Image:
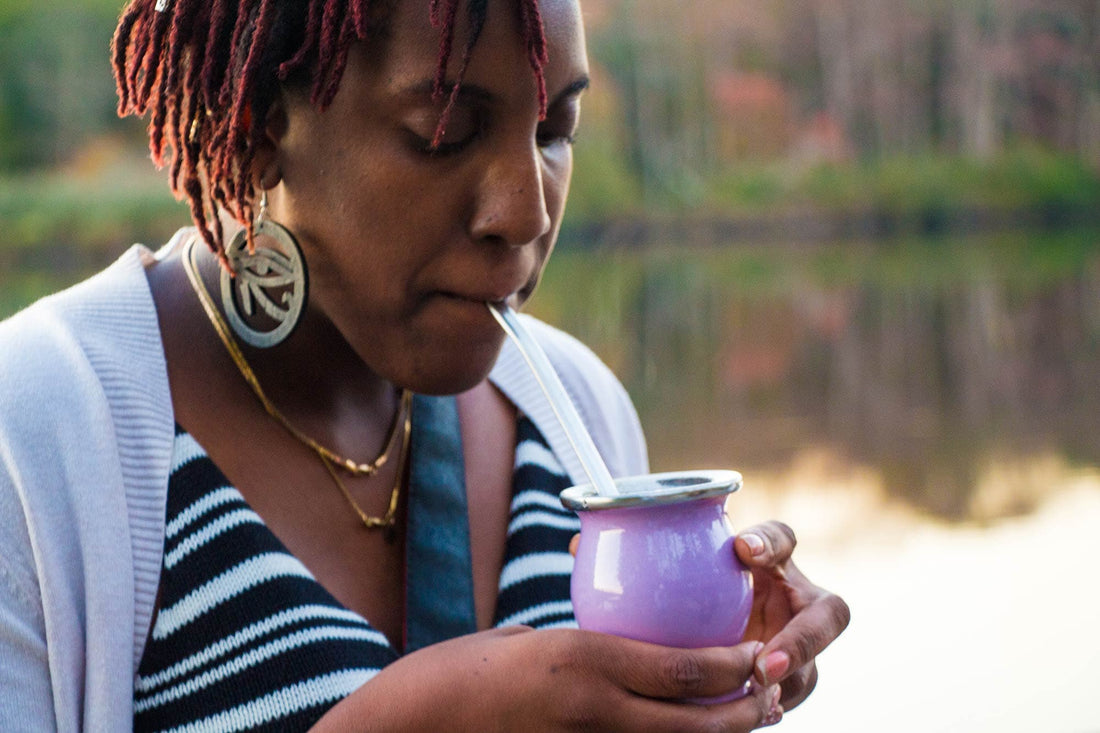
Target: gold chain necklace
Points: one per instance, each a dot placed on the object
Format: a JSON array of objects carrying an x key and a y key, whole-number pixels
[{"x": 329, "y": 459}]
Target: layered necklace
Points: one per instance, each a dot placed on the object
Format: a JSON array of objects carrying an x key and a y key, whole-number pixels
[{"x": 329, "y": 458}]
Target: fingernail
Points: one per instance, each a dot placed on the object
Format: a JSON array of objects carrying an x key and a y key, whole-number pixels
[
  {"x": 756, "y": 545},
  {"x": 775, "y": 711},
  {"x": 772, "y": 667}
]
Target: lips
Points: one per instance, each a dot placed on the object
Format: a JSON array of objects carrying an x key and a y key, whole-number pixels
[
  {"x": 461, "y": 312},
  {"x": 480, "y": 297},
  {"x": 508, "y": 289},
  {"x": 486, "y": 275}
]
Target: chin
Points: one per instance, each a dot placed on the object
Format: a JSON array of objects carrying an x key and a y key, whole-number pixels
[{"x": 448, "y": 375}]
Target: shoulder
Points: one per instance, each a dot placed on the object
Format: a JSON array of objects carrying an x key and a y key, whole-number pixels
[
  {"x": 599, "y": 396},
  {"x": 79, "y": 345},
  {"x": 84, "y": 400},
  {"x": 83, "y": 373},
  {"x": 84, "y": 388}
]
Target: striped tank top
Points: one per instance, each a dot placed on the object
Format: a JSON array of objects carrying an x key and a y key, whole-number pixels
[{"x": 246, "y": 639}]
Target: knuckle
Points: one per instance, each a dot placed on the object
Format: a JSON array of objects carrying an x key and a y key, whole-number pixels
[
  {"x": 838, "y": 609},
  {"x": 809, "y": 682},
  {"x": 682, "y": 672},
  {"x": 806, "y": 646},
  {"x": 787, "y": 533}
]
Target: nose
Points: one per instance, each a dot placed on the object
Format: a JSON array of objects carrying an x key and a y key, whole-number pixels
[{"x": 510, "y": 202}]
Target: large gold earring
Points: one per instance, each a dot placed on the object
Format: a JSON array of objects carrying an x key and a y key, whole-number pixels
[{"x": 273, "y": 278}]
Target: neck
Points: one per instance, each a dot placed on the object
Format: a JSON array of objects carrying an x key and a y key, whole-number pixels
[
  {"x": 316, "y": 367},
  {"x": 317, "y": 380}
]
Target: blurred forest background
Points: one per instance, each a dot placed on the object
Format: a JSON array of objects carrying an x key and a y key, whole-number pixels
[
  {"x": 794, "y": 118},
  {"x": 849, "y": 247},
  {"x": 896, "y": 112}
]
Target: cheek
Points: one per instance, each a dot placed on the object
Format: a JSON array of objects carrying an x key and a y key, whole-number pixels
[
  {"x": 556, "y": 178},
  {"x": 376, "y": 206}
]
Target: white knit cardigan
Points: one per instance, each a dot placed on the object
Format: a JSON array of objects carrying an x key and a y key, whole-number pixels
[{"x": 86, "y": 430}]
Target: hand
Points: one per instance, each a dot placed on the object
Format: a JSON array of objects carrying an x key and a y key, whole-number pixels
[
  {"x": 559, "y": 679},
  {"x": 794, "y": 618}
]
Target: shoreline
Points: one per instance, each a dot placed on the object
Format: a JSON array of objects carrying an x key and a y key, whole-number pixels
[{"x": 808, "y": 226}]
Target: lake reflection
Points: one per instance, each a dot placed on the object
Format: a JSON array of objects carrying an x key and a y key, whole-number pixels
[
  {"x": 956, "y": 628},
  {"x": 945, "y": 365}
]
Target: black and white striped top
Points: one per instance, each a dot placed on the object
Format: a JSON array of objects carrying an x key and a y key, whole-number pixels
[{"x": 246, "y": 639}]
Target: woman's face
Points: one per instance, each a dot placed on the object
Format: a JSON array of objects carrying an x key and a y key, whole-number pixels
[{"x": 405, "y": 245}]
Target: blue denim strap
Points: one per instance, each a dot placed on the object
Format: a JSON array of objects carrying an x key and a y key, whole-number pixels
[{"x": 439, "y": 581}]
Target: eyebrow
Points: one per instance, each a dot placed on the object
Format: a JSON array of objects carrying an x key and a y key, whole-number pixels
[
  {"x": 572, "y": 90},
  {"x": 468, "y": 91}
]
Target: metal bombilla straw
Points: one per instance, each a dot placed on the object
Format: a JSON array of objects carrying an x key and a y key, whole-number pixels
[{"x": 563, "y": 407}]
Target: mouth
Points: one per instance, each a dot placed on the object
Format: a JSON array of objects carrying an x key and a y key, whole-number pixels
[
  {"x": 479, "y": 299},
  {"x": 464, "y": 314},
  {"x": 511, "y": 295}
]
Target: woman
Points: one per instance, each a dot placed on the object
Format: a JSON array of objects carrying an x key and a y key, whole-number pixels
[{"x": 197, "y": 534}]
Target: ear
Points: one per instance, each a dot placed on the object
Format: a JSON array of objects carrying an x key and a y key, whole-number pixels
[{"x": 266, "y": 170}]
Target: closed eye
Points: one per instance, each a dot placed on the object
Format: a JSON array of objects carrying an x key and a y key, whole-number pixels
[
  {"x": 463, "y": 125},
  {"x": 445, "y": 147},
  {"x": 562, "y": 115}
]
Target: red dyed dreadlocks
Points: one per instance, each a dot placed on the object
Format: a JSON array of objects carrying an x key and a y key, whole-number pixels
[{"x": 208, "y": 71}]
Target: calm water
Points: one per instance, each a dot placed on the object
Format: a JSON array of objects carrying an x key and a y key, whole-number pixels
[
  {"x": 936, "y": 363},
  {"x": 926, "y": 414}
]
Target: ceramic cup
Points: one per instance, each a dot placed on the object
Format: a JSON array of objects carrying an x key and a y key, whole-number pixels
[{"x": 656, "y": 563}]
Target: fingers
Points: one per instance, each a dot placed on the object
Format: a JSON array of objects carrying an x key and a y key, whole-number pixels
[
  {"x": 760, "y": 708},
  {"x": 663, "y": 672},
  {"x": 805, "y": 618},
  {"x": 798, "y": 686},
  {"x": 613, "y": 683},
  {"x": 767, "y": 544},
  {"x": 803, "y": 638}
]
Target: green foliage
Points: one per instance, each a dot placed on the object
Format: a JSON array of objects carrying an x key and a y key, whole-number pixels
[
  {"x": 56, "y": 90},
  {"x": 749, "y": 187},
  {"x": 47, "y": 211},
  {"x": 926, "y": 193},
  {"x": 603, "y": 185},
  {"x": 935, "y": 188}
]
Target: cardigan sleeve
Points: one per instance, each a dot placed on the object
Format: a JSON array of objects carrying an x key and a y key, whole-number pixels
[
  {"x": 43, "y": 604},
  {"x": 26, "y": 697},
  {"x": 85, "y": 440}
]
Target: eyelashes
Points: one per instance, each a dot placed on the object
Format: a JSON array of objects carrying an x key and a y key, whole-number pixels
[
  {"x": 547, "y": 140},
  {"x": 467, "y": 127},
  {"x": 449, "y": 147}
]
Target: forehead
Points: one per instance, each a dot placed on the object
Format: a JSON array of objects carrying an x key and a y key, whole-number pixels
[{"x": 411, "y": 43}]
